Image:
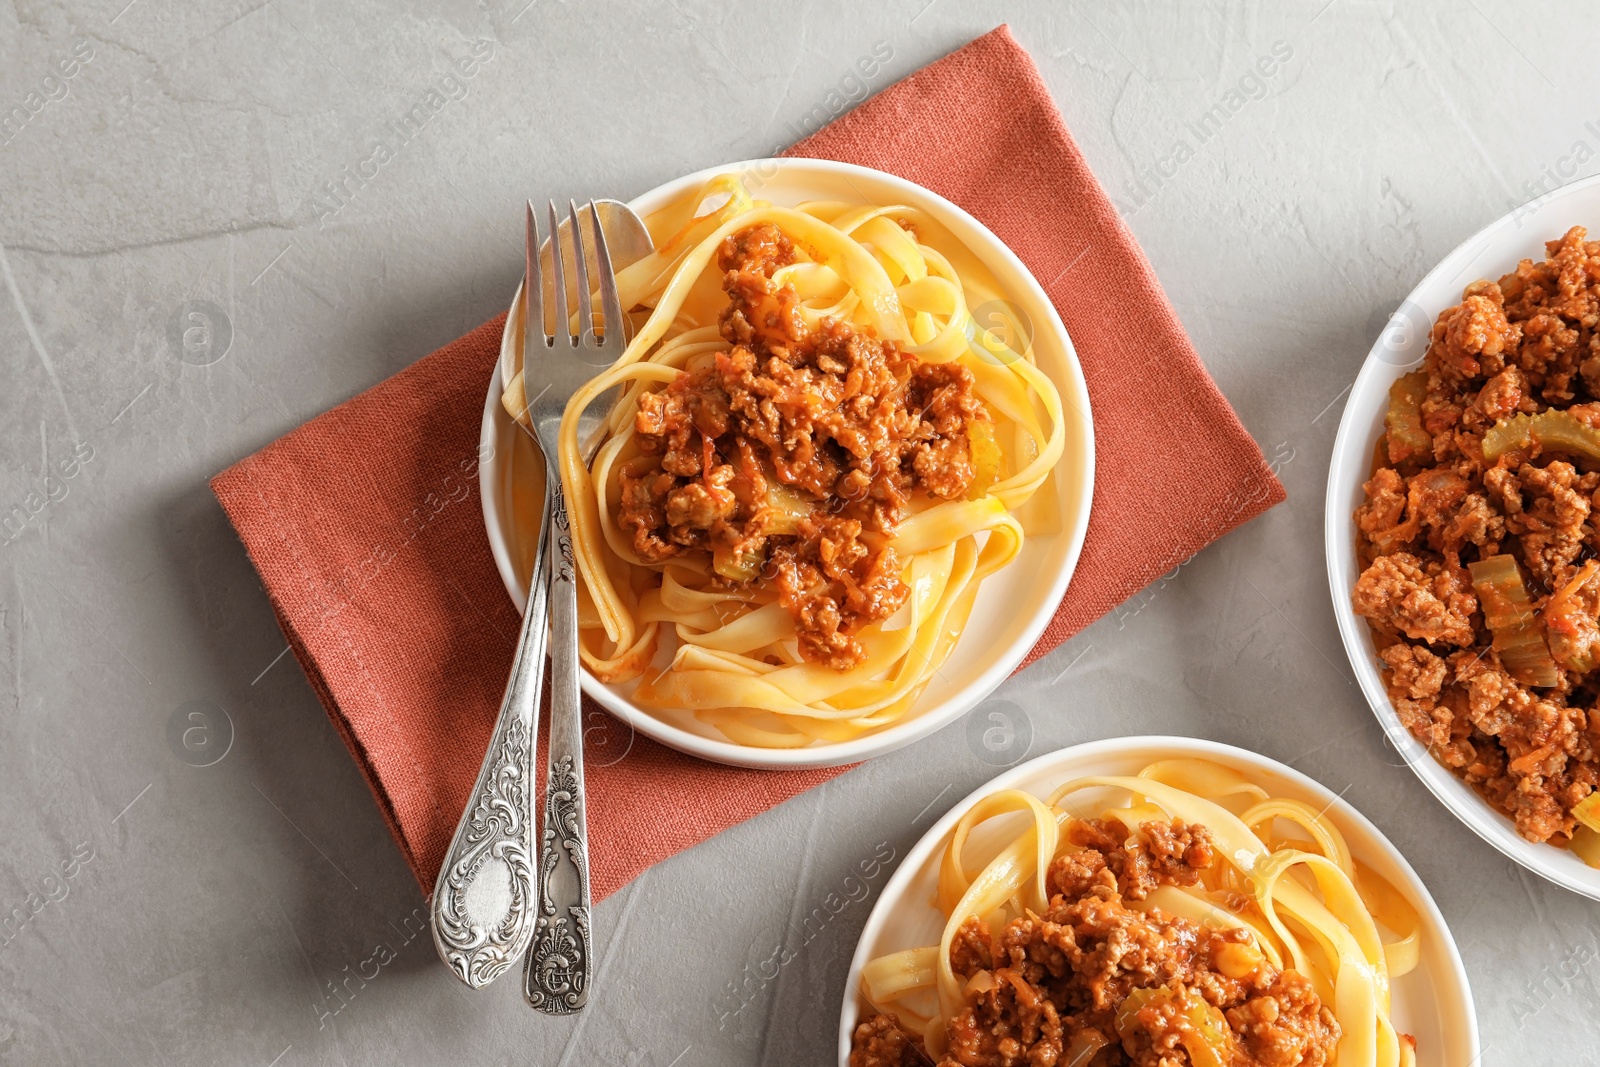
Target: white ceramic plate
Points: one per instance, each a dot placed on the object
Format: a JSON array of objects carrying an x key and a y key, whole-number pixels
[
  {"x": 1489, "y": 253},
  {"x": 1433, "y": 1003},
  {"x": 1012, "y": 606}
]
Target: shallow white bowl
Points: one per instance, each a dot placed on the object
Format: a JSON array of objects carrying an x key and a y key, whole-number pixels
[
  {"x": 1433, "y": 1003},
  {"x": 1012, "y": 606},
  {"x": 1489, "y": 253}
]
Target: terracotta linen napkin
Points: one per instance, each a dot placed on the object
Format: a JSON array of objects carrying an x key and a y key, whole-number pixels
[
  {"x": 365, "y": 524},
  {"x": 1174, "y": 470}
]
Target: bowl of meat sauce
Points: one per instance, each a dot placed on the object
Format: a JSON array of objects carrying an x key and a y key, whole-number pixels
[{"x": 1462, "y": 541}]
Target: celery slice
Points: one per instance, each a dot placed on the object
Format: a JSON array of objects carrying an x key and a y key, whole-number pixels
[
  {"x": 1518, "y": 636},
  {"x": 1551, "y": 430},
  {"x": 1407, "y": 438}
]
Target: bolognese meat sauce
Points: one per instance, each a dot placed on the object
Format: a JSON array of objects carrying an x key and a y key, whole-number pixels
[
  {"x": 1095, "y": 980},
  {"x": 1479, "y": 541},
  {"x": 848, "y": 425}
]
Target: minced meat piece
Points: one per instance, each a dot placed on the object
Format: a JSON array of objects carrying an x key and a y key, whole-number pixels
[
  {"x": 1159, "y": 854},
  {"x": 880, "y": 1042},
  {"x": 1546, "y": 512},
  {"x": 1473, "y": 338},
  {"x": 1381, "y": 519},
  {"x": 1400, "y": 597}
]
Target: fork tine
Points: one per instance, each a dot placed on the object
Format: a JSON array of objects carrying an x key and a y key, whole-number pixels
[
  {"x": 580, "y": 257},
  {"x": 610, "y": 304},
  {"x": 532, "y": 281},
  {"x": 563, "y": 316}
]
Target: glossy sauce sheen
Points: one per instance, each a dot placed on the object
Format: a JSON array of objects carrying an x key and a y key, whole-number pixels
[{"x": 853, "y": 427}]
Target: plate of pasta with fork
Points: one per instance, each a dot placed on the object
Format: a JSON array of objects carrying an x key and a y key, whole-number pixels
[{"x": 835, "y": 487}]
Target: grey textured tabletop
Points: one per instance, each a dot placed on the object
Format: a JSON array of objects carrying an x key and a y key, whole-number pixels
[{"x": 215, "y": 914}]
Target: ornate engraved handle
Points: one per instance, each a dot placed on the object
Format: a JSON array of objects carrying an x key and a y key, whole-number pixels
[
  {"x": 559, "y": 969},
  {"x": 483, "y": 900}
]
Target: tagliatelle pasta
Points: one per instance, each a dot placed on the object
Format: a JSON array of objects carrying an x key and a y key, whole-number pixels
[
  {"x": 1182, "y": 915},
  {"x": 816, "y": 457}
]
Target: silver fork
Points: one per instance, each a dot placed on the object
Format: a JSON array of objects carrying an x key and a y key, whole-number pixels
[
  {"x": 483, "y": 905},
  {"x": 484, "y": 899},
  {"x": 560, "y": 962}
]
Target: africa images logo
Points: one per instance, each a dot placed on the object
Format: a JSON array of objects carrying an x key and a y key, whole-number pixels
[
  {"x": 199, "y": 332},
  {"x": 52, "y": 889},
  {"x": 1254, "y": 84},
  {"x": 200, "y": 733},
  {"x": 51, "y": 489},
  {"x": 51, "y": 88}
]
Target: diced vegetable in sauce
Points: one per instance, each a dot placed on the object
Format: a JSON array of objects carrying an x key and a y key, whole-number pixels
[
  {"x": 742, "y": 562},
  {"x": 1507, "y": 611},
  {"x": 1551, "y": 430},
  {"x": 1407, "y": 438}
]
